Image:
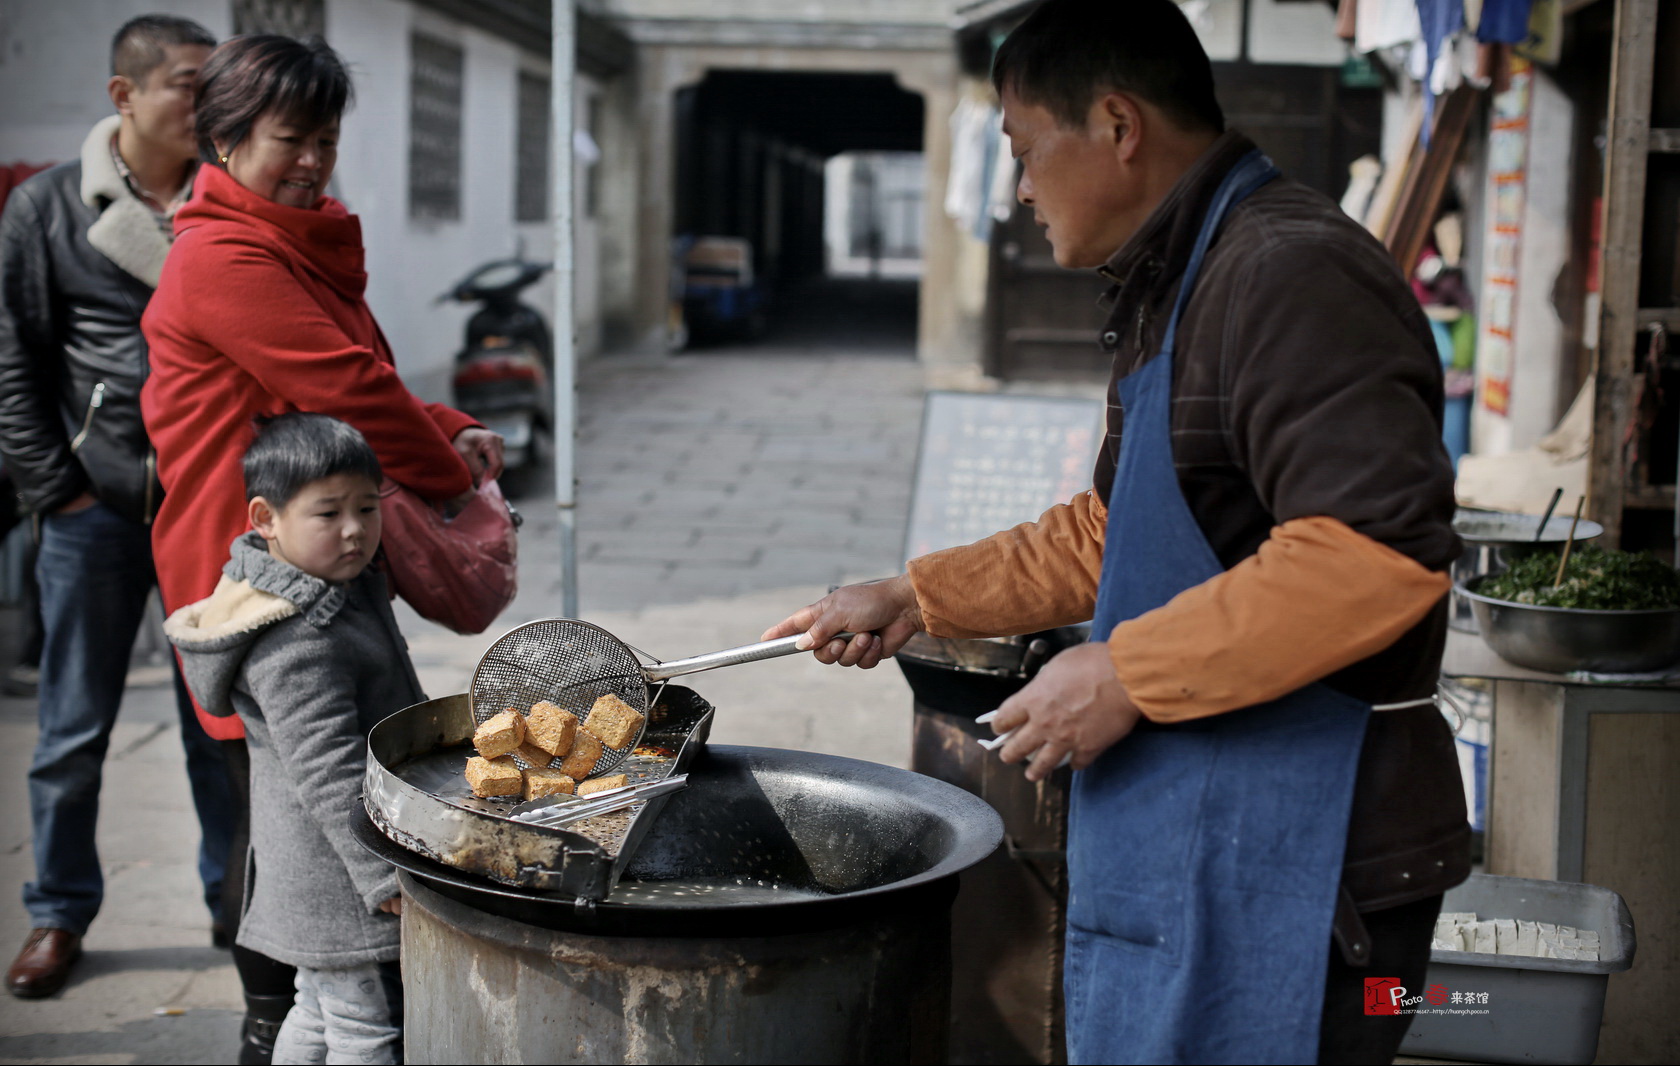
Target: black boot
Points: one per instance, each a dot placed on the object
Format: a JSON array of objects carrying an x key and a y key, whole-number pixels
[{"x": 263, "y": 1015}]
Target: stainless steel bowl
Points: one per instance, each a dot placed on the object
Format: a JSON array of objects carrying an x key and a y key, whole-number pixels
[
  {"x": 1495, "y": 539},
  {"x": 1507, "y": 529},
  {"x": 1559, "y": 640}
]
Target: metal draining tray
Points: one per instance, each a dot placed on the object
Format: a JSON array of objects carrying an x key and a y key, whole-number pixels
[{"x": 416, "y": 792}]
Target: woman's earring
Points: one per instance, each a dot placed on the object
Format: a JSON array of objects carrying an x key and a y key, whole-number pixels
[{"x": 224, "y": 160}]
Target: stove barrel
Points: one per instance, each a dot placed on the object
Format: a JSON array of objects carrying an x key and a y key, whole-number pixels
[
  {"x": 786, "y": 907},
  {"x": 1012, "y": 915},
  {"x": 479, "y": 988}
]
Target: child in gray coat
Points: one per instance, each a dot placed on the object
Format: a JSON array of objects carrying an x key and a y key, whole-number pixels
[{"x": 298, "y": 639}]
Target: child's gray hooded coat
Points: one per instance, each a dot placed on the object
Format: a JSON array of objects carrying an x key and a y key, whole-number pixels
[{"x": 309, "y": 667}]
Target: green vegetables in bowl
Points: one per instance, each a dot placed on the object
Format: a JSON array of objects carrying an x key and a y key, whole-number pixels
[{"x": 1598, "y": 579}]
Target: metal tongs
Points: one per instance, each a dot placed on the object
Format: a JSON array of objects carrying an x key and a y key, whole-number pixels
[
  {"x": 1003, "y": 738},
  {"x": 554, "y": 811}
]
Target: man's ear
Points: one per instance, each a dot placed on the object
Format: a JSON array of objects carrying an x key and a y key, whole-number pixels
[
  {"x": 262, "y": 515},
  {"x": 1121, "y": 120},
  {"x": 119, "y": 89}
]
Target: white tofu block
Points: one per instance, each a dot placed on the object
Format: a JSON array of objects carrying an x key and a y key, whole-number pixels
[
  {"x": 1528, "y": 940},
  {"x": 1484, "y": 941},
  {"x": 1437, "y": 944},
  {"x": 1458, "y": 917},
  {"x": 1588, "y": 938},
  {"x": 1505, "y": 936}
]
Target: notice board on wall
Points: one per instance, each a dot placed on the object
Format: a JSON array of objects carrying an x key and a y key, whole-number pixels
[{"x": 988, "y": 462}]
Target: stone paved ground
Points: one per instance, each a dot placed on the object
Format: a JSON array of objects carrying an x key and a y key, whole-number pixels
[{"x": 718, "y": 491}]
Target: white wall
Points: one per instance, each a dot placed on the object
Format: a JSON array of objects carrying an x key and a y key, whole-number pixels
[
  {"x": 54, "y": 61},
  {"x": 618, "y": 230},
  {"x": 53, "y": 66},
  {"x": 1294, "y": 33},
  {"x": 411, "y": 261},
  {"x": 1277, "y": 32},
  {"x": 586, "y": 231}
]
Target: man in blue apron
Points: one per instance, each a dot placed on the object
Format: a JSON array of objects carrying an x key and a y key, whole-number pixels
[{"x": 1265, "y": 804}]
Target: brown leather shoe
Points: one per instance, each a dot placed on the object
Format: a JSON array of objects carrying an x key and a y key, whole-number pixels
[{"x": 44, "y": 963}]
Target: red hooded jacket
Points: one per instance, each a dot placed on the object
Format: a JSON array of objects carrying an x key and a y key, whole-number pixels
[{"x": 260, "y": 311}]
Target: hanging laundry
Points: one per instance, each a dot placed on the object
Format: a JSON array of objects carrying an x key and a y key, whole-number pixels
[
  {"x": 992, "y": 132},
  {"x": 1384, "y": 24},
  {"x": 1472, "y": 14},
  {"x": 1000, "y": 195},
  {"x": 1504, "y": 21},
  {"x": 1347, "y": 19},
  {"x": 1438, "y": 20},
  {"x": 971, "y": 160}
]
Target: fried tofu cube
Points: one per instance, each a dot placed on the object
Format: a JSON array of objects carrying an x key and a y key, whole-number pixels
[
  {"x": 614, "y": 721},
  {"x": 540, "y": 783},
  {"x": 601, "y": 784},
  {"x": 499, "y": 735},
  {"x": 494, "y": 777},
  {"x": 551, "y": 728},
  {"x": 533, "y": 754},
  {"x": 586, "y": 752}
]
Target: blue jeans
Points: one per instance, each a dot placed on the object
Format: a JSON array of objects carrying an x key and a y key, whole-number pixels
[{"x": 95, "y": 571}]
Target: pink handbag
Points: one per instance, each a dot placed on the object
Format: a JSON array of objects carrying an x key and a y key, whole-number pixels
[{"x": 460, "y": 572}]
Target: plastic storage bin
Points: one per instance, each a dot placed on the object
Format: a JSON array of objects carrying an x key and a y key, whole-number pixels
[{"x": 1538, "y": 1010}]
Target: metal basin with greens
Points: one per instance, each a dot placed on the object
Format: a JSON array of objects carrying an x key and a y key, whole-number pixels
[{"x": 1560, "y": 640}]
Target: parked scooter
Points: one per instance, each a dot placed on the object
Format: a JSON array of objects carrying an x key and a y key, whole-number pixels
[{"x": 502, "y": 375}]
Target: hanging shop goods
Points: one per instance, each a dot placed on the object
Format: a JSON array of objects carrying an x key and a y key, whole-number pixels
[{"x": 1507, "y": 192}]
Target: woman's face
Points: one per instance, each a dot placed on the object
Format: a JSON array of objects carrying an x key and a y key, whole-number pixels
[{"x": 285, "y": 163}]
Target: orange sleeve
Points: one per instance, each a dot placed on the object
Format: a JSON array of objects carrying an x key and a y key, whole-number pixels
[
  {"x": 1036, "y": 576},
  {"x": 1315, "y": 598}
]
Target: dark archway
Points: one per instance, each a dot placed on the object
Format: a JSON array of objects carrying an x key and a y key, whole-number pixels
[{"x": 750, "y": 152}]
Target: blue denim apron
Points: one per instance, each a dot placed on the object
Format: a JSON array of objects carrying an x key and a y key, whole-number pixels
[{"x": 1204, "y": 857}]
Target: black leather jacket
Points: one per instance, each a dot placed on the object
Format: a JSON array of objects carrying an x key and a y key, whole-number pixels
[{"x": 72, "y": 357}]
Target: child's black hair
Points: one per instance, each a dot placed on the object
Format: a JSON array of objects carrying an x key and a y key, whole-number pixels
[{"x": 293, "y": 449}]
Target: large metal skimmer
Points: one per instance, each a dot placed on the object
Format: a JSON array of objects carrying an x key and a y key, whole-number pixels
[{"x": 572, "y": 663}]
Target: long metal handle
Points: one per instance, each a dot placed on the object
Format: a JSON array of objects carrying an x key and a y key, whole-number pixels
[{"x": 750, "y": 653}]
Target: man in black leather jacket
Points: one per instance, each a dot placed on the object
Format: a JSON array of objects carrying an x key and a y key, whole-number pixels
[{"x": 81, "y": 246}]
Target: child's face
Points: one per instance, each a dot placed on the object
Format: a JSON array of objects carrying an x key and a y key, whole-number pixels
[{"x": 329, "y": 530}]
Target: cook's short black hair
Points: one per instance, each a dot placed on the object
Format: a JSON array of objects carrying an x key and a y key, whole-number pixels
[
  {"x": 1068, "y": 52},
  {"x": 291, "y": 450},
  {"x": 303, "y": 82},
  {"x": 137, "y": 49}
]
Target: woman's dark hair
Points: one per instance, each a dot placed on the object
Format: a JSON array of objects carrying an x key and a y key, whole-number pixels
[
  {"x": 1067, "y": 52},
  {"x": 291, "y": 450},
  {"x": 302, "y": 82}
]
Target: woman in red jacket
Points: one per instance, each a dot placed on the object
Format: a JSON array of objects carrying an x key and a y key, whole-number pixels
[{"x": 260, "y": 311}]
